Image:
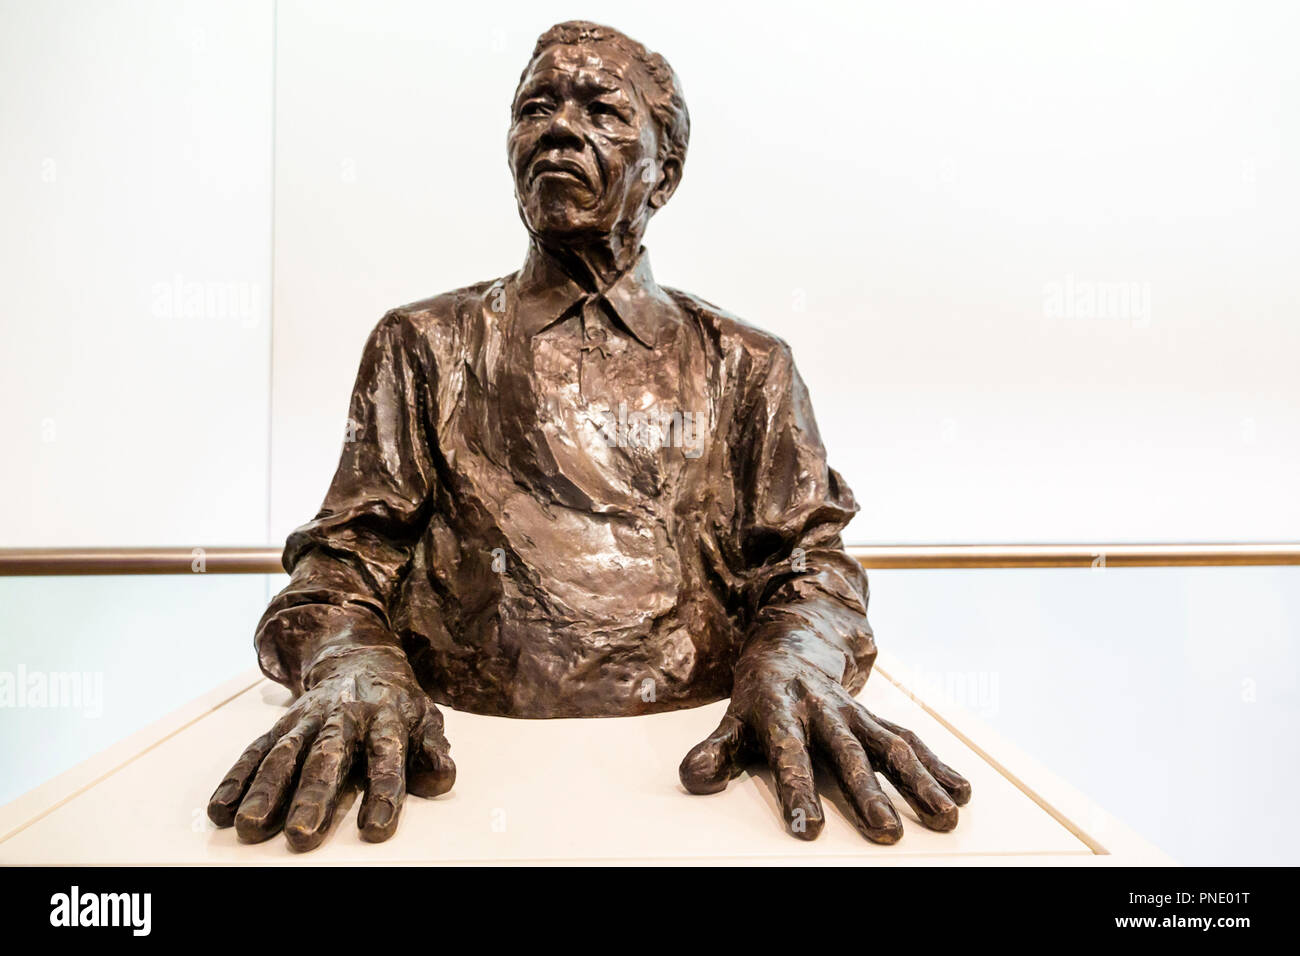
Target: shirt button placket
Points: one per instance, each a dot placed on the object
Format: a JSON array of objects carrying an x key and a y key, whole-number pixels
[{"x": 593, "y": 345}]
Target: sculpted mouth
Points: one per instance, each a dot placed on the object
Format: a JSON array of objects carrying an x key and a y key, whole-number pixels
[{"x": 559, "y": 167}]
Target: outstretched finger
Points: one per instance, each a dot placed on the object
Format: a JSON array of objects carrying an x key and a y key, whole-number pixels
[
  {"x": 711, "y": 763},
  {"x": 785, "y": 745},
  {"x": 430, "y": 770},
  {"x": 262, "y": 809},
  {"x": 321, "y": 781},
  {"x": 225, "y": 799},
  {"x": 892, "y": 755},
  {"x": 385, "y": 777},
  {"x": 958, "y": 787},
  {"x": 874, "y": 815}
]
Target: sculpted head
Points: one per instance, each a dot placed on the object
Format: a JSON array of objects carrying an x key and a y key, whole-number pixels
[{"x": 598, "y": 136}]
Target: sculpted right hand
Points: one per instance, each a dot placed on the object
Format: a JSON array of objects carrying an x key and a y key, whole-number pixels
[{"x": 366, "y": 703}]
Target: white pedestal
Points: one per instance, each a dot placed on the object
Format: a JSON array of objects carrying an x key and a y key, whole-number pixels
[{"x": 563, "y": 791}]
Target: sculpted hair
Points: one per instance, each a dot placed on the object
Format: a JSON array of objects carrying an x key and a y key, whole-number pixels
[{"x": 667, "y": 105}]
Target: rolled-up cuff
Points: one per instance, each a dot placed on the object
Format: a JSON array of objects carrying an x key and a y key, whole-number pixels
[{"x": 291, "y": 639}]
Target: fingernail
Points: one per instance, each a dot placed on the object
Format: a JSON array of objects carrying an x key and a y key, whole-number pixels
[
  {"x": 302, "y": 840},
  {"x": 254, "y": 805},
  {"x": 881, "y": 816},
  {"x": 805, "y": 823},
  {"x": 701, "y": 772},
  {"x": 304, "y": 817},
  {"x": 226, "y": 793},
  {"x": 376, "y": 818},
  {"x": 944, "y": 817},
  {"x": 701, "y": 763}
]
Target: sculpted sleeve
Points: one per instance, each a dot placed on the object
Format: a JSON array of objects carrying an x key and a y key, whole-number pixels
[
  {"x": 803, "y": 592},
  {"x": 347, "y": 563}
]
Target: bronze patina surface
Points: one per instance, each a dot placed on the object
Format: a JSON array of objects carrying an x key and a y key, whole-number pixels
[{"x": 573, "y": 492}]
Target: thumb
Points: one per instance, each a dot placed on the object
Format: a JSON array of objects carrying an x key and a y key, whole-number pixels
[
  {"x": 430, "y": 771},
  {"x": 715, "y": 760}
]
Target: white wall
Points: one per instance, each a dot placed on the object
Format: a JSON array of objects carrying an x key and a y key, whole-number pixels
[
  {"x": 135, "y": 270},
  {"x": 135, "y": 184},
  {"x": 1167, "y": 695},
  {"x": 898, "y": 189},
  {"x": 112, "y": 655},
  {"x": 919, "y": 197}
]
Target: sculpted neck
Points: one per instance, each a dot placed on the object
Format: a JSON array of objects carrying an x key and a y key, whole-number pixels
[{"x": 593, "y": 263}]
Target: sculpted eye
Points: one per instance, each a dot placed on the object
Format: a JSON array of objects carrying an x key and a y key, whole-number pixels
[
  {"x": 597, "y": 108},
  {"x": 535, "y": 108}
]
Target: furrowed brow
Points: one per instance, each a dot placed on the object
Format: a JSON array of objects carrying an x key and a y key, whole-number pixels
[
  {"x": 602, "y": 83},
  {"x": 534, "y": 88}
]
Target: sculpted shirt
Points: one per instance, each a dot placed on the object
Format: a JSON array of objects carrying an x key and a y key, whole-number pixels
[{"x": 570, "y": 503}]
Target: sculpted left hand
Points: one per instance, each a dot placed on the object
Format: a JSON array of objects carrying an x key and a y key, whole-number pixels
[{"x": 785, "y": 711}]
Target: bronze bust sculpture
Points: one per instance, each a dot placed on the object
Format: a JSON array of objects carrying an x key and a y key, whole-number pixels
[{"x": 573, "y": 492}]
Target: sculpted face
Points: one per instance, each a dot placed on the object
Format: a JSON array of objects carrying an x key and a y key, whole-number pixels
[{"x": 583, "y": 146}]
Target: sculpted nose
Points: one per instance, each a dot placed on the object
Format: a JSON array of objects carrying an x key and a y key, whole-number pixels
[{"x": 562, "y": 131}]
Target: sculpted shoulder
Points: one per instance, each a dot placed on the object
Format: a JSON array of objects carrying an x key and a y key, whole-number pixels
[
  {"x": 438, "y": 321},
  {"x": 746, "y": 347},
  {"x": 438, "y": 315}
]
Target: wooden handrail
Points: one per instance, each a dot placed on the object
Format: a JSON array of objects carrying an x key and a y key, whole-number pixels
[{"x": 263, "y": 560}]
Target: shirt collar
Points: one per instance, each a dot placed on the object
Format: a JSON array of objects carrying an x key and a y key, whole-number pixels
[{"x": 547, "y": 294}]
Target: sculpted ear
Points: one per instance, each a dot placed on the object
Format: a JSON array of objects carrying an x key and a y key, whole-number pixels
[{"x": 670, "y": 174}]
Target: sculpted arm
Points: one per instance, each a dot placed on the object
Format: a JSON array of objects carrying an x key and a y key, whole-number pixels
[
  {"x": 328, "y": 635},
  {"x": 808, "y": 648}
]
